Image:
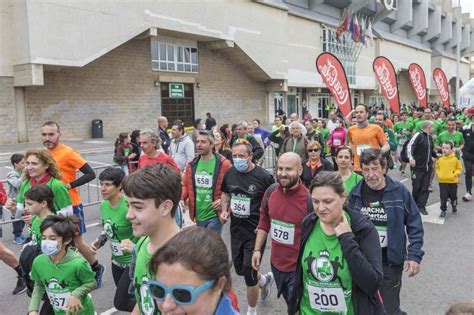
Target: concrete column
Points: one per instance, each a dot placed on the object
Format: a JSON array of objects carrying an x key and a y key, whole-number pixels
[{"x": 21, "y": 125}]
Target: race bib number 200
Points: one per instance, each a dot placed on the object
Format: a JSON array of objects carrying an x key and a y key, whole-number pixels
[{"x": 327, "y": 299}]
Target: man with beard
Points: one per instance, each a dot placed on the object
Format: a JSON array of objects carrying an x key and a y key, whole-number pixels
[
  {"x": 392, "y": 210},
  {"x": 284, "y": 206},
  {"x": 69, "y": 162}
]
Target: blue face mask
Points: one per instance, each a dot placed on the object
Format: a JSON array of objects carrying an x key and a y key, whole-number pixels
[
  {"x": 241, "y": 165},
  {"x": 49, "y": 247}
]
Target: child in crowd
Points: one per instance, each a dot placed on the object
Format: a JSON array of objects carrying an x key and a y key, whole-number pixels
[
  {"x": 123, "y": 152},
  {"x": 61, "y": 271},
  {"x": 14, "y": 180},
  {"x": 448, "y": 169}
]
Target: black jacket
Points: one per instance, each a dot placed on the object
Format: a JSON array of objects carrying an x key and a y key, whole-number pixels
[
  {"x": 421, "y": 149},
  {"x": 468, "y": 150},
  {"x": 361, "y": 250},
  {"x": 165, "y": 139},
  {"x": 306, "y": 175}
]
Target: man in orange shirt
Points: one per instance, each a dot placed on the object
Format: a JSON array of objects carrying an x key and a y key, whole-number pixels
[
  {"x": 364, "y": 135},
  {"x": 69, "y": 162}
]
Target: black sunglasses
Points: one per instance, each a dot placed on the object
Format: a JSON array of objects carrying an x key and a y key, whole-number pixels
[{"x": 313, "y": 150}]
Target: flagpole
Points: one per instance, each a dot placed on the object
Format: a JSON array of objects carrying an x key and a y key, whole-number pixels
[{"x": 458, "y": 59}]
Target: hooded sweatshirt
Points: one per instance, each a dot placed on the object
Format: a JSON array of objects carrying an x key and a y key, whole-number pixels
[
  {"x": 182, "y": 151},
  {"x": 448, "y": 169}
]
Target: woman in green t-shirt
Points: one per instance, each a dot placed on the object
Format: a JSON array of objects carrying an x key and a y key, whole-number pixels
[
  {"x": 61, "y": 271},
  {"x": 41, "y": 169},
  {"x": 39, "y": 202},
  {"x": 339, "y": 268},
  {"x": 344, "y": 157}
]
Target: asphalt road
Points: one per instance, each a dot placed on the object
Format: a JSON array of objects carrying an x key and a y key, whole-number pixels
[{"x": 447, "y": 273}]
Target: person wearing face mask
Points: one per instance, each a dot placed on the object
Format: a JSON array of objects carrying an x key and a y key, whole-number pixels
[
  {"x": 242, "y": 191},
  {"x": 61, "y": 271},
  {"x": 392, "y": 210},
  {"x": 193, "y": 275}
]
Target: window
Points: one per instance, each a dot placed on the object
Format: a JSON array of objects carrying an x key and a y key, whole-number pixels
[
  {"x": 344, "y": 48},
  {"x": 168, "y": 57}
]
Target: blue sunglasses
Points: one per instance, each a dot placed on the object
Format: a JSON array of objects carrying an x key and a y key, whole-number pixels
[{"x": 181, "y": 294}]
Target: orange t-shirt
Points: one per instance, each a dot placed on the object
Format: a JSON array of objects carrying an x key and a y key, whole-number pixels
[
  {"x": 371, "y": 136},
  {"x": 68, "y": 161}
]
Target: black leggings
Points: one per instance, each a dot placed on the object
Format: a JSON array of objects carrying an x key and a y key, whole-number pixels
[
  {"x": 122, "y": 300},
  {"x": 468, "y": 165}
]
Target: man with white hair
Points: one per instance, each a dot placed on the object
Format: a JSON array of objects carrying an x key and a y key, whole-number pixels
[
  {"x": 149, "y": 143},
  {"x": 296, "y": 142},
  {"x": 242, "y": 134}
]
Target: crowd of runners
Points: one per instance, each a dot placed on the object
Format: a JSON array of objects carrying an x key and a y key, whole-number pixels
[{"x": 342, "y": 230}]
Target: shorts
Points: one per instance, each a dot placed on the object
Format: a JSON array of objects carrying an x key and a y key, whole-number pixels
[
  {"x": 79, "y": 212},
  {"x": 242, "y": 251}
]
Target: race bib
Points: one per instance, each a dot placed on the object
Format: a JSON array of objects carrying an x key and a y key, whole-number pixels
[
  {"x": 337, "y": 142},
  {"x": 115, "y": 248},
  {"x": 362, "y": 147},
  {"x": 59, "y": 301},
  {"x": 327, "y": 299},
  {"x": 203, "y": 181},
  {"x": 283, "y": 232},
  {"x": 382, "y": 230},
  {"x": 240, "y": 205}
]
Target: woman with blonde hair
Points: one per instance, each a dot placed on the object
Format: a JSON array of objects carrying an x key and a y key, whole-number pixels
[
  {"x": 41, "y": 169},
  {"x": 315, "y": 163}
]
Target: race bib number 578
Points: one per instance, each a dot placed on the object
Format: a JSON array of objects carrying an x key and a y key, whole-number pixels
[{"x": 282, "y": 232}]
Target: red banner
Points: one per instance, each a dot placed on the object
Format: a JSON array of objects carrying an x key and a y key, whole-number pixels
[
  {"x": 387, "y": 79},
  {"x": 418, "y": 83},
  {"x": 442, "y": 84},
  {"x": 334, "y": 76}
]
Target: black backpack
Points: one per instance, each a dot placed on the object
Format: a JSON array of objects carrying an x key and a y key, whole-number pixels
[{"x": 27, "y": 256}]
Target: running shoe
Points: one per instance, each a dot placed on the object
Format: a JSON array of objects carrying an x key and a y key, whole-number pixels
[
  {"x": 467, "y": 197},
  {"x": 430, "y": 189},
  {"x": 423, "y": 211},
  {"x": 99, "y": 272},
  {"x": 442, "y": 215},
  {"x": 20, "y": 286},
  {"x": 455, "y": 210},
  {"x": 266, "y": 289},
  {"x": 19, "y": 240}
]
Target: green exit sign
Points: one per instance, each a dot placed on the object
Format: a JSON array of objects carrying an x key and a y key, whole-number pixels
[{"x": 176, "y": 90}]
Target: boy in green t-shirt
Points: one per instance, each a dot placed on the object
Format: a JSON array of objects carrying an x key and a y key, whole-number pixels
[
  {"x": 452, "y": 135},
  {"x": 61, "y": 271},
  {"x": 153, "y": 194},
  {"x": 118, "y": 231},
  {"x": 38, "y": 202}
]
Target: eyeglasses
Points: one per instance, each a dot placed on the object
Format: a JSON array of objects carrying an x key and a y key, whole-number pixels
[
  {"x": 181, "y": 294},
  {"x": 313, "y": 150}
]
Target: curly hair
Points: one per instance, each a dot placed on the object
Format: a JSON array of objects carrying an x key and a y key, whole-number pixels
[{"x": 46, "y": 158}]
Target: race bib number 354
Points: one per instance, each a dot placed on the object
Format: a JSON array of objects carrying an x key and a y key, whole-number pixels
[{"x": 283, "y": 232}]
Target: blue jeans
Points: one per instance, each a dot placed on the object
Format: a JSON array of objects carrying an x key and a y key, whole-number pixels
[
  {"x": 284, "y": 282},
  {"x": 211, "y": 224},
  {"x": 79, "y": 212}
]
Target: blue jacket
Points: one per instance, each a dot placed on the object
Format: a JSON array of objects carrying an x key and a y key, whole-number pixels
[{"x": 403, "y": 217}]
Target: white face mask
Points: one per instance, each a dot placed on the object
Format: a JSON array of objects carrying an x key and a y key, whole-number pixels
[{"x": 49, "y": 247}]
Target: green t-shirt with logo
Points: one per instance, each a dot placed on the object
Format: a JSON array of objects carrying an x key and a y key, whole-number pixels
[
  {"x": 443, "y": 124},
  {"x": 405, "y": 130},
  {"x": 61, "y": 195},
  {"x": 60, "y": 280},
  {"x": 351, "y": 182},
  {"x": 35, "y": 229},
  {"x": 326, "y": 277},
  {"x": 203, "y": 181},
  {"x": 141, "y": 275},
  {"x": 457, "y": 139},
  {"x": 436, "y": 130},
  {"x": 117, "y": 228}
]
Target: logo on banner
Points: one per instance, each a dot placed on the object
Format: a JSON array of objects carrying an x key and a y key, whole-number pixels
[
  {"x": 383, "y": 75},
  {"x": 330, "y": 74},
  {"x": 334, "y": 76},
  {"x": 418, "y": 82},
  {"x": 440, "y": 84}
]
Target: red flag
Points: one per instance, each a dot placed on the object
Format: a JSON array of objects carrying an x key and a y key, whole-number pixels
[
  {"x": 442, "y": 84},
  {"x": 418, "y": 83},
  {"x": 343, "y": 27},
  {"x": 334, "y": 76},
  {"x": 387, "y": 79},
  {"x": 357, "y": 30}
]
